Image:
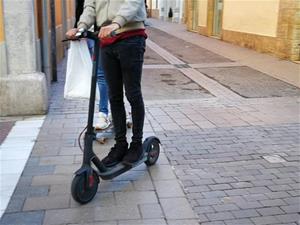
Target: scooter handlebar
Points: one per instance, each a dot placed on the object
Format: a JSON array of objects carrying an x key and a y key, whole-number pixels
[{"x": 83, "y": 33}]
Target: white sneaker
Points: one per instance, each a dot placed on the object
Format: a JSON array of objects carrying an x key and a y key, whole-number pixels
[{"x": 103, "y": 122}]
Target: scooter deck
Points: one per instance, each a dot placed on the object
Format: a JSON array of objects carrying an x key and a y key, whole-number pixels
[{"x": 119, "y": 169}]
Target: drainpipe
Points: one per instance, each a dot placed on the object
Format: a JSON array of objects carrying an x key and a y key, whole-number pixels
[
  {"x": 64, "y": 21},
  {"x": 45, "y": 42},
  {"x": 53, "y": 41}
]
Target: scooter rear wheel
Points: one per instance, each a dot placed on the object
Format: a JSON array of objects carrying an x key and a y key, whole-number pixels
[
  {"x": 153, "y": 152},
  {"x": 82, "y": 191}
]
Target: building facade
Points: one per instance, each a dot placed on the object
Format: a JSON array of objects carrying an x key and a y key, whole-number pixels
[
  {"x": 26, "y": 50},
  {"x": 270, "y": 26}
]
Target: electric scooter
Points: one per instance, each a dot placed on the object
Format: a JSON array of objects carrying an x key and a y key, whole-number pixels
[{"x": 86, "y": 180}]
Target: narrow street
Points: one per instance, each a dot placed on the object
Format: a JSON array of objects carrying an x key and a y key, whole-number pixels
[{"x": 230, "y": 148}]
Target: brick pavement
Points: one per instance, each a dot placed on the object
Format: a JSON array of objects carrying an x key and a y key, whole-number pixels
[{"x": 230, "y": 159}]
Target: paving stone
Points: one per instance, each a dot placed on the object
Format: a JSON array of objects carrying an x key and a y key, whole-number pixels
[
  {"x": 58, "y": 189},
  {"x": 220, "y": 187},
  {"x": 66, "y": 216},
  {"x": 247, "y": 213},
  {"x": 255, "y": 197},
  {"x": 239, "y": 222},
  {"x": 143, "y": 185},
  {"x": 214, "y": 194},
  {"x": 40, "y": 203},
  {"x": 277, "y": 194},
  {"x": 270, "y": 211},
  {"x": 143, "y": 222},
  {"x": 214, "y": 223},
  {"x": 66, "y": 169},
  {"x": 181, "y": 211},
  {"x": 282, "y": 187},
  {"x": 237, "y": 192},
  {"x": 209, "y": 201},
  {"x": 220, "y": 216},
  {"x": 151, "y": 211},
  {"x": 292, "y": 200},
  {"x": 162, "y": 172},
  {"x": 265, "y": 220},
  {"x": 54, "y": 160},
  {"x": 241, "y": 185},
  {"x": 203, "y": 209},
  {"x": 38, "y": 170},
  {"x": 183, "y": 222},
  {"x": 248, "y": 205},
  {"x": 97, "y": 223},
  {"x": 291, "y": 208},
  {"x": 120, "y": 213},
  {"x": 275, "y": 202},
  {"x": 168, "y": 188},
  {"x": 23, "y": 218},
  {"x": 109, "y": 186},
  {"x": 225, "y": 207},
  {"x": 135, "y": 197},
  {"x": 25, "y": 181},
  {"x": 51, "y": 179},
  {"x": 15, "y": 204},
  {"x": 289, "y": 218}
]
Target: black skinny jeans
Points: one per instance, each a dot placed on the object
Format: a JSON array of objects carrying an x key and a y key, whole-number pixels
[{"x": 122, "y": 64}]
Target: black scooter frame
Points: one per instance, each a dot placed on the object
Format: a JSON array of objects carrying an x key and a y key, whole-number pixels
[{"x": 89, "y": 156}]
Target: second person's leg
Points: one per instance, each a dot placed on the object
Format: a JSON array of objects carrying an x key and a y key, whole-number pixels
[{"x": 103, "y": 120}]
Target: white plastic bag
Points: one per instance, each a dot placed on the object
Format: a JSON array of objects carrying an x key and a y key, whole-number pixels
[{"x": 79, "y": 71}]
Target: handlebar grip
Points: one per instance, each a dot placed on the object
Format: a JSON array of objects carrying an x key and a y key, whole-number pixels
[{"x": 113, "y": 33}]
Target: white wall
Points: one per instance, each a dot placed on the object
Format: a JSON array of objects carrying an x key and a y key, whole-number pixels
[{"x": 177, "y": 8}]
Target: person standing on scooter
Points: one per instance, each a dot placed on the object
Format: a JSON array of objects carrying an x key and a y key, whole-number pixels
[
  {"x": 122, "y": 59},
  {"x": 103, "y": 120}
]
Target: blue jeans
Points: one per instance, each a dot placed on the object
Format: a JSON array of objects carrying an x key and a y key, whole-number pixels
[
  {"x": 103, "y": 89},
  {"x": 123, "y": 64}
]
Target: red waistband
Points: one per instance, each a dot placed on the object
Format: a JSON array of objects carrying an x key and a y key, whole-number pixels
[{"x": 124, "y": 35}]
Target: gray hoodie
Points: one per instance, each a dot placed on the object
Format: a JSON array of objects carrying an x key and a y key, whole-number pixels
[{"x": 129, "y": 14}]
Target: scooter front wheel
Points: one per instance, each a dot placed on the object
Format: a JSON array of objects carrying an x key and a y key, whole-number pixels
[{"x": 84, "y": 187}]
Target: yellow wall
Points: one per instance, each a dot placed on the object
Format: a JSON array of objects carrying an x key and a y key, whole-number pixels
[
  {"x": 202, "y": 15},
  {"x": 1, "y": 23},
  {"x": 251, "y": 16},
  {"x": 58, "y": 12}
]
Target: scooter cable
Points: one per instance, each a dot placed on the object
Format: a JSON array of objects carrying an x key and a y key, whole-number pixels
[{"x": 79, "y": 138}]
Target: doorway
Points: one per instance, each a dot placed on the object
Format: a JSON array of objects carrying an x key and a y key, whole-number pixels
[{"x": 217, "y": 19}]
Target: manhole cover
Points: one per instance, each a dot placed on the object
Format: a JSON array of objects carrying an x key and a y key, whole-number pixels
[{"x": 274, "y": 158}]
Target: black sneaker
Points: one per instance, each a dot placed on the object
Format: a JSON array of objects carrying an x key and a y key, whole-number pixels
[
  {"x": 115, "y": 155},
  {"x": 134, "y": 154}
]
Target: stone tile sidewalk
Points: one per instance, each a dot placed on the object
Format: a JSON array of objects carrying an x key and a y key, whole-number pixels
[{"x": 226, "y": 159}]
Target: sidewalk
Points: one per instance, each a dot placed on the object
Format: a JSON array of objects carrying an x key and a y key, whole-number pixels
[
  {"x": 281, "y": 69},
  {"x": 230, "y": 138}
]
